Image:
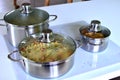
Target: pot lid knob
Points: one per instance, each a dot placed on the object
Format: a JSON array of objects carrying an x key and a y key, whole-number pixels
[
  {"x": 47, "y": 36},
  {"x": 95, "y": 26},
  {"x": 26, "y": 8}
]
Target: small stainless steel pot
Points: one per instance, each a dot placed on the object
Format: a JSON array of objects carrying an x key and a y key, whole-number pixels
[
  {"x": 25, "y": 20},
  {"x": 94, "y": 37},
  {"x": 48, "y": 69}
]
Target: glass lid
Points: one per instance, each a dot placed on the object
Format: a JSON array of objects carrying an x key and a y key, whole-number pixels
[
  {"x": 57, "y": 47},
  {"x": 95, "y": 30},
  {"x": 26, "y": 15}
]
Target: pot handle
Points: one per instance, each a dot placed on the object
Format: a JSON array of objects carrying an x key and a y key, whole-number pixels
[
  {"x": 1, "y": 23},
  {"x": 78, "y": 43},
  {"x": 54, "y": 18},
  {"x": 11, "y": 58}
]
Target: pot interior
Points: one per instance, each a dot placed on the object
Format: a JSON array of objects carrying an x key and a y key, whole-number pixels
[{"x": 104, "y": 33}]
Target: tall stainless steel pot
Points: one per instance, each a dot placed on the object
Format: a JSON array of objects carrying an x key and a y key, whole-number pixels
[{"x": 25, "y": 21}]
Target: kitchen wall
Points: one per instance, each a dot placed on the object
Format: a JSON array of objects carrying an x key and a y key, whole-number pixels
[
  {"x": 7, "y": 5},
  {"x": 36, "y": 3}
]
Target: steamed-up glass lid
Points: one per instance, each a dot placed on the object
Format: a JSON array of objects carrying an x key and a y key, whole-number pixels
[
  {"x": 26, "y": 15},
  {"x": 95, "y": 30},
  {"x": 47, "y": 47}
]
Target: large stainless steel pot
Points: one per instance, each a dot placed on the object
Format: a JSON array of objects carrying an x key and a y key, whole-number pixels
[
  {"x": 25, "y": 20},
  {"x": 48, "y": 69},
  {"x": 94, "y": 37}
]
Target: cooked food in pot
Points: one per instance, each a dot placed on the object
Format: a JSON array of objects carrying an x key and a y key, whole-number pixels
[
  {"x": 37, "y": 51},
  {"x": 92, "y": 34}
]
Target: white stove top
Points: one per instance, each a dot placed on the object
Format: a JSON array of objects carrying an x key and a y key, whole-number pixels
[{"x": 85, "y": 62}]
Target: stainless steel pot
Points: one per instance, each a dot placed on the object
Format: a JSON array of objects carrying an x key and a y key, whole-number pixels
[
  {"x": 94, "y": 37},
  {"x": 25, "y": 20},
  {"x": 50, "y": 69}
]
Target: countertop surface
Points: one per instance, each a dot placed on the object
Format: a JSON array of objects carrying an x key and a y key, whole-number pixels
[{"x": 71, "y": 17}]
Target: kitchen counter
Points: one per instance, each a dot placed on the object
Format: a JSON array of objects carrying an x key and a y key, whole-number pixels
[{"x": 71, "y": 17}]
